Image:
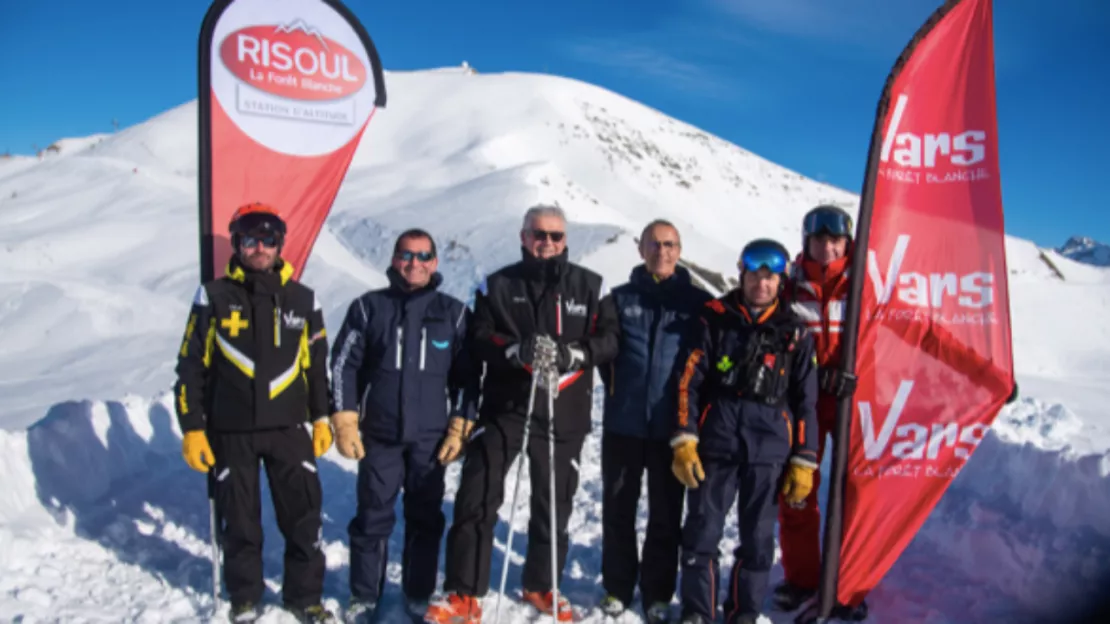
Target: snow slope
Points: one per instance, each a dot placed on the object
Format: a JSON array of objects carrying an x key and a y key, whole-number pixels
[{"x": 100, "y": 519}]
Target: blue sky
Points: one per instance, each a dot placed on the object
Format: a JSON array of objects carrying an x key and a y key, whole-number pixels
[{"x": 795, "y": 81}]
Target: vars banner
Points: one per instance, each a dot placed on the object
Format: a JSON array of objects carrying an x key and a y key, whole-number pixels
[
  {"x": 286, "y": 89},
  {"x": 931, "y": 302}
]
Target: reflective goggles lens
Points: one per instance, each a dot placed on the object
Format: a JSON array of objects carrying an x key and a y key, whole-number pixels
[
  {"x": 827, "y": 222},
  {"x": 407, "y": 256},
  {"x": 759, "y": 256},
  {"x": 266, "y": 241}
]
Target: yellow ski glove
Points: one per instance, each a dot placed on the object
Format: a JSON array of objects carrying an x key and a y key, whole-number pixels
[
  {"x": 198, "y": 454},
  {"x": 798, "y": 482},
  {"x": 348, "y": 440},
  {"x": 458, "y": 432},
  {"x": 687, "y": 465},
  {"x": 321, "y": 436}
]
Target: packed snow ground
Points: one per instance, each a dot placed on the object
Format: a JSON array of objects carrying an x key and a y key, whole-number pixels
[{"x": 100, "y": 520}]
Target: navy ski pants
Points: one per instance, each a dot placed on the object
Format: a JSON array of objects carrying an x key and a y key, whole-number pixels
[
  {"x": 385, "y": 469},
  {"x": 755, "y": 487}
]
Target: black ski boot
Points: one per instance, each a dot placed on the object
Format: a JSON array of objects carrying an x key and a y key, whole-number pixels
[
  {"x": 316, "y": 614},
  {"x": 243, "y": 613},
  {"x": 789, "y": 597},
  {"x": 850, "y": 614}
]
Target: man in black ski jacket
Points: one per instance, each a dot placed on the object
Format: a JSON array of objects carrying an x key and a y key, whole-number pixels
[
  {"x": 747, "y": 406},
  {"x": 399, "y": 358},
  {"x": 658, "y": 308},
  {"x": 251, "y": 372},
  {"x": 543, "y": 295}
]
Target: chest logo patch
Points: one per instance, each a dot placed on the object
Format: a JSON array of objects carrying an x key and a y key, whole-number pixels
[
  {"x": 574, "y": 308},
  {"x": 292, "y": 321}
]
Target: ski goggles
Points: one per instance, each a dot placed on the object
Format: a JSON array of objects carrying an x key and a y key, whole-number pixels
[
  {"x": 829, "y": 222},
  {"x": 270, "y": 240},
  {"x": 767, "y": 255},
  {"x": 407, "y": 256}
]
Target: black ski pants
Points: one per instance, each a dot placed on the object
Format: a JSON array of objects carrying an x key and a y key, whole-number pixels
[
  {"x": 755, "y": 487},
  {"x": 489, "y": 456},
  {"x": 381, "y": 474},
  {"x": 295, "y": 488},
  {"x": 624, "y": 460}
]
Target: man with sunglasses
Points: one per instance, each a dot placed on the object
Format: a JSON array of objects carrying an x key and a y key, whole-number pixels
[
  {"x": 404, "y": 401},
  {"x": 818, "y": 293},
  {"x": 658, "y": 308},
  {"x": 747, "y": 394},
  {"x": 544, "y": 297},
  {"x": 251, "y": 372}
]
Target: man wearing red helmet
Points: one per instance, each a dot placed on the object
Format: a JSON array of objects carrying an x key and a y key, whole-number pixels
[
  {"x": 818, "y": 293},
  {"x": 251, "y": 370}
]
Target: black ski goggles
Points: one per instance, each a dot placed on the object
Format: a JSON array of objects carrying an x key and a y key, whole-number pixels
[
  {"x": 829, "y": 222},
  {"x": 269, "y": 240},
  {"x": 757, "y": 256}
]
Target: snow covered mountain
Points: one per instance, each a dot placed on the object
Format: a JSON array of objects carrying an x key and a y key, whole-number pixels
[
  {"x": 100, "y": 519},
  {"x": 1086, "y": 250}
]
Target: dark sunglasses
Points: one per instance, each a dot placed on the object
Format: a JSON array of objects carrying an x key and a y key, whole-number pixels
[
  {"x": 265, "y": 241},
  {"x": 407, "y": 256},
  {"x": 554, "y": 237}
]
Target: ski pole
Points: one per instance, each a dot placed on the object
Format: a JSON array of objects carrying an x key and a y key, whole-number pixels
[
  {"x": 516, "y": 492},
  {"x": 212, "y": 528},
  {"x": 552, "y": 390}
]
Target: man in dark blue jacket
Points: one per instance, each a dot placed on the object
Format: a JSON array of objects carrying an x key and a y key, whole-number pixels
[
  {"x": 747, "y": 405},
  {"x": 657, "y": 307},
  {"x": 400, "y": 357}
]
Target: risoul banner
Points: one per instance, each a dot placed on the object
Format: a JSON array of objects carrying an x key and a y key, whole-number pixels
[{"x": 286, "y": 90}]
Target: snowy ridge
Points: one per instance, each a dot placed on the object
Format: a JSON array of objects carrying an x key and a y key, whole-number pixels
[{"x": 98, "y": 246}]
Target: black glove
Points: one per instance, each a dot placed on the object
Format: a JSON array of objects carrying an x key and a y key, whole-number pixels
[
  {"x": 523, "y": 353},
  {"x": 1013, "y": 395},
  {"x": 569, "y": 357},
  {"x": 836, "y": 382}
]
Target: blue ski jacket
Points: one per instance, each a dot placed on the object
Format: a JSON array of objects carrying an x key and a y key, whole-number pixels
[
  {"x": 402, "y": 361},
  {"x": 655, "y": 317}
]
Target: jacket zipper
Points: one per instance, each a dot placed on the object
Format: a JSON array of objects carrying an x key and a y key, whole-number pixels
[
  {"x": 400, "y": 346},
  {"x": 653, "y": 353},
  {"x": 423, "y": 345},
  {"x": 559, "y": 314},
  {"x": 362, "y": 403},
  {"x": 277, "y": 322}
]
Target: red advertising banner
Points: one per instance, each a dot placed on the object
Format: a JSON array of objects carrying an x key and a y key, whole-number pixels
[
  {"x": 287, "y": 88},
  {"x": 934, "y": 348}
]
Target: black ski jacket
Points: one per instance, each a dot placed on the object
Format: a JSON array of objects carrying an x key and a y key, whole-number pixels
[
  {"x": 532, "y": 297},
  {"x": 254, "y": 355},
  {"x": 748, "y": 387}
]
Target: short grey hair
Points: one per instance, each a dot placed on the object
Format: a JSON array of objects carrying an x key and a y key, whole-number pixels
[{"x": 542, "y": 210}]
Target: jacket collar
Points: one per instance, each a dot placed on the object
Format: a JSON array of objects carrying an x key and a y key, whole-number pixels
[
  {"x": 268, "y": 282},
  {"x": 398, "y": 286},
  {"x": 647, "y": 282},
  {"x": 548, "y": 270}
]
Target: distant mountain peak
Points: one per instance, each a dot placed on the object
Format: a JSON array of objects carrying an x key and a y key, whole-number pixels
[{"x": 1086, "y": 250}]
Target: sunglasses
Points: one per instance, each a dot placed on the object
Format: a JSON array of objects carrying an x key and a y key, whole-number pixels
[
  {"x": 407, "y": 256},
  {"x": 554, "y": 237},
  {"x": 254, "y": 241}
]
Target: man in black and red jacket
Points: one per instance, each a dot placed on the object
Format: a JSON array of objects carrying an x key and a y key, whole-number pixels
[{"x": 542, "y": 295}]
